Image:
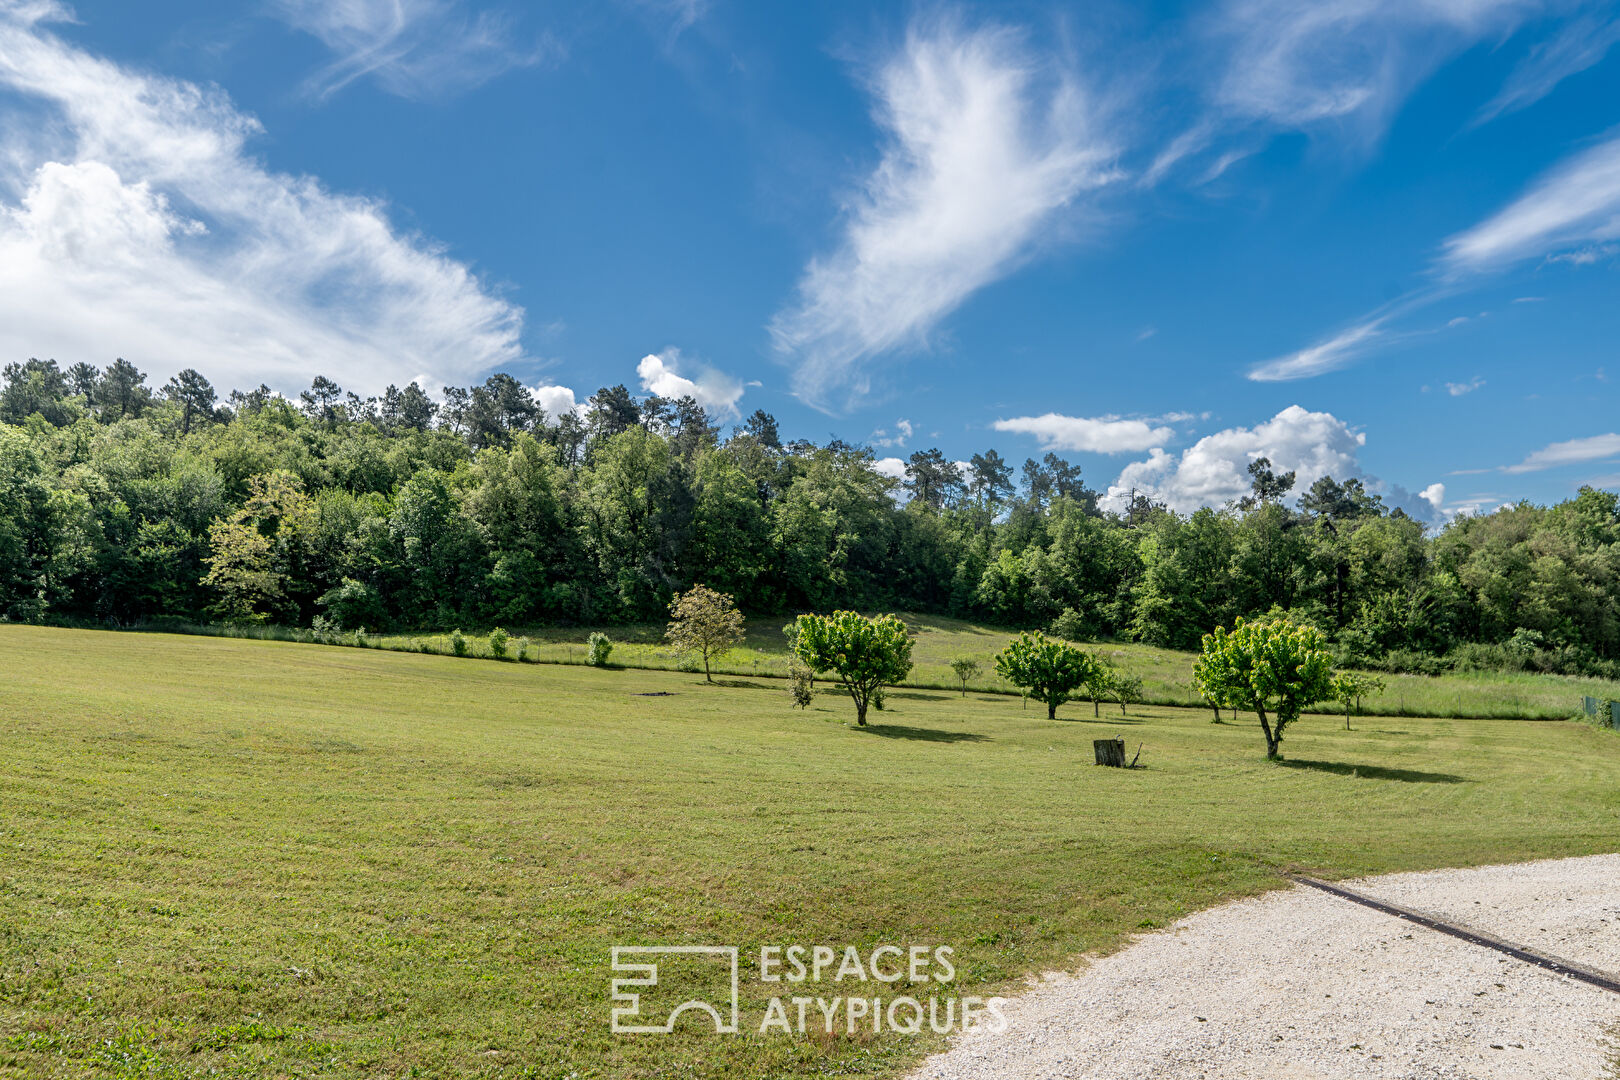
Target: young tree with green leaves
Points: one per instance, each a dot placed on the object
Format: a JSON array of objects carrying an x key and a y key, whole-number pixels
[
  {"x": 704, "y": 623},
  {"x": 865, "y": 654},
  {"x": 1050, "y": 671},
  {"x": 964, "y": 668},
  {"x": 1349, "y": 687},
  {"x": 1277, "y": 667}
]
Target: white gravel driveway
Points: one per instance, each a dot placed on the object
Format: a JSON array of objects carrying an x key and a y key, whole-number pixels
[{"x": 1300, "y": 984}]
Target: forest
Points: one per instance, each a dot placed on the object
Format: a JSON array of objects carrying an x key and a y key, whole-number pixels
[{"x": 125, "y": 504}]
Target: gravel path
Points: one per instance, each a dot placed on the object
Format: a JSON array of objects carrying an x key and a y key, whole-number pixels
[{"x": 1301, "y": 985}]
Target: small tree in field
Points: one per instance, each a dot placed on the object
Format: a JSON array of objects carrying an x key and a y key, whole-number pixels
[
  {"x": 865, "y": 654},
  {"x": 1125, "y": 689},
  {"x": 1099, "y": 682},
  {"x": 1051, "y": 671},
  {"x": 1276, "y": 666},
  {"x": 704, "y": 623},
  {"x": 1350, "y": 687},
  {"x": 965, "y": 668}
]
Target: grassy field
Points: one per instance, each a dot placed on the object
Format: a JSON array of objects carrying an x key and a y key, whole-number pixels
[
  {"x": 1166, "y": 674},
  {"x": 232, "y": 857}
]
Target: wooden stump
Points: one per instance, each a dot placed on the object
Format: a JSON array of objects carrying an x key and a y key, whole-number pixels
[{"x": 1110, "y": 752}]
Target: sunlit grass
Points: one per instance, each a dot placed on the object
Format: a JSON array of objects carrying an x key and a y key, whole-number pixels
[{"x": 288, "y": 860}]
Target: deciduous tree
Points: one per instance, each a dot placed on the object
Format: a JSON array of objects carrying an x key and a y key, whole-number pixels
[
  {"x": 705, "y": 623},
  {"x": 865, "y": 654}
]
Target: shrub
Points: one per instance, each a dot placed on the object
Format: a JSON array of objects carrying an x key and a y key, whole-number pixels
[
  {"x": 1070, "y": 625},
  {"x": 601, "y": 647},
  {"x": 421, "y": 645},
  {"x": 522, "y": 650},
  {"x": 801, "y": 684},
  {"x": 458, "y": 642},
  {"x": 497, "y": 643}
]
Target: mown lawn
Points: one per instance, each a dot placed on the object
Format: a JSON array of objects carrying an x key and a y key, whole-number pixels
[
  {"x": 273, "y": 859},
  {"x": 1166, "y": 674}
]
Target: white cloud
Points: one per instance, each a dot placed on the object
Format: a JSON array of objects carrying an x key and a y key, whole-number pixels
[
  {"x": 1348, "y": 63},
  {"x": 1577, "y": 46},
  {"x": 143, "y": 228},
  {"x": 557, "y": 400},
  {"x": 1459, "y": 389},
  {"x": 1214, "y": 470},
  {"x": 1325, "y": 356},
  {"x": 1097, "y": 434},
  {"x": 986, "y": 144},
  {"x": 1570, "y": 452},
  {"x": 413, "y": 48},
  {"x": 902, "y": 435},
  {"x": 892, "y": 467},
  {"x": 1575, "y": 203},
  {"x": 715, "y": 391}
]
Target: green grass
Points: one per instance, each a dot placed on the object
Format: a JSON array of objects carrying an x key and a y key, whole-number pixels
[
  {"x": 274, "y": 859},
  {"x": 1166, "y": 674}
]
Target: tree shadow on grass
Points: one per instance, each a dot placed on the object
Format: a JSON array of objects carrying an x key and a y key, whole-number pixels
[
  {"x": 901, "y": 731},
  {"x": 1375, "y": 772}
]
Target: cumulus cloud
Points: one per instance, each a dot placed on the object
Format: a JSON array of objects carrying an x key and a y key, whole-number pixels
[
  {"x": 1575, "y": 203},
  {"x": 1459, "y": 389},
  {"x": 1096, "y": 434},
  {"x": 892, "y": 467},
  {"x": 1570, "y": 452},
  {"x": 557, "y": 400},
  {"x": 1330, "y": 355},
  {"x": 413, "y": 48},
  {"x": 142, "y": 227},
  {"x": 986, "y": 145},
  {"x": 715, "y": 391},
  {"x": 1214, "y": 470}
]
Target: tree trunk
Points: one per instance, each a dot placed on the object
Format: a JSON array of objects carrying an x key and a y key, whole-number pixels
[
  {"x": 706, "y": 676},
  {"x": 860, "y": 712},
  {"x": 1051, "y": 710},
  {"x": 1096, "y": 710},
  {"x": 1273, "y": 741}
]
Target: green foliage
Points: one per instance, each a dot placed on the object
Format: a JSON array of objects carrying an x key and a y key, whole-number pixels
[
  {"x": 1274, "y": 666},
  {"x": 865, "y": 654},
  {"x": 521, "y": 650},
  {"x": 1125, "y": 688},
  {"x": 801, "y": 684},
  {"x": 704, "y": 624},
  {"x": 1050, "y": 671},
  {"x": 458, "y": 642},
  {"x": 1070, "y": 625},
  {"x": 599, "y": 647},
  {"x": 964, "y": 668},
  {"x": 497, "y": 643}
]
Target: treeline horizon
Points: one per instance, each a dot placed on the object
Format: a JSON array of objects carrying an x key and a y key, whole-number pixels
[{"x": 125, "y": 504}]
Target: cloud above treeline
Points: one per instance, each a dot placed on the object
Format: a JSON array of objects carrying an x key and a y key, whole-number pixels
[
  {"x": 144, "y": 227},
  {"x": 986, "y": 142}
]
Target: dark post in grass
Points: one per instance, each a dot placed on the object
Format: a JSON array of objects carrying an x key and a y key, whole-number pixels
[{"x": 1109, "y": 752}]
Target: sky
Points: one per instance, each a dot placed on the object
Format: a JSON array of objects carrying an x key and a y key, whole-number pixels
[{"x": 1365, "y": 238}]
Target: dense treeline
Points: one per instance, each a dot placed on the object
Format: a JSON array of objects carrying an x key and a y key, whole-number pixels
[{"x": 126, "y": 504}]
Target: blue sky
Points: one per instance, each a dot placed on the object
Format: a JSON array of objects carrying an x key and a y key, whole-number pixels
[{"x": 1366, "y": 237}]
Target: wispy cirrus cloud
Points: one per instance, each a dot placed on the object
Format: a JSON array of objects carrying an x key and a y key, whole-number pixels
[
  {"x": 987, "y": 142},
  {"x": 1350, "y": 63},
  {"x": 1570, "y": 452},
  {"x": 1336, "y": 352},
  {"x": 419, "y": 49},
  {"x": 1575, "y": 203},
  {"x": 1096, "y": 434},
  {"x": 1577, "y": 46},
  {"x": 141, "y": 225}
]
